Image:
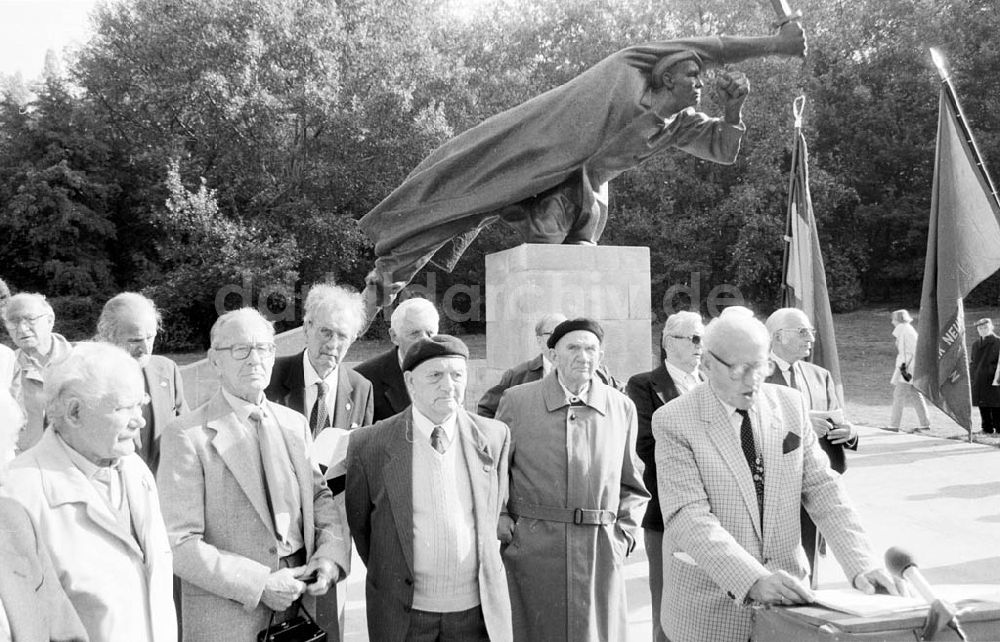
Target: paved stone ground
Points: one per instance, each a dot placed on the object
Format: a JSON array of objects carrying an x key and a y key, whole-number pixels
[{"x": 939, "y": 498}]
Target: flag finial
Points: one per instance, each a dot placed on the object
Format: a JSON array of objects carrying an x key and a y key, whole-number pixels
[{"x": 940, "y": 63}]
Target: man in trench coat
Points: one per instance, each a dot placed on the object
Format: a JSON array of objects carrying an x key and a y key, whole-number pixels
[{"x": 576, "y": 495}]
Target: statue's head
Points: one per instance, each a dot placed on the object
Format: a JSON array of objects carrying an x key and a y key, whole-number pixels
[{"x": 676, "y": 81}]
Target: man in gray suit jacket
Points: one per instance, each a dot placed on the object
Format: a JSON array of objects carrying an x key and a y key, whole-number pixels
[
  {"x": 424, "y": 490},
  {"x": 736, "y": 459},
  {"x": 252, "y": 525},
  {"x": 792, "y": 337},
  {"x": 130, "y": 321}
]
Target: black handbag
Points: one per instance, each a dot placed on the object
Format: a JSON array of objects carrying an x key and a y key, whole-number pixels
[
  {"x": 294, "y": 629},
  {"x": 903, "y": 372}
]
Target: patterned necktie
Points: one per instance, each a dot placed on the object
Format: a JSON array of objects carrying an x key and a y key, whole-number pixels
[
  {"x": 754, "y": 461},
  {"x": 318, "y": 417},
  {"x": 438, "y": 440}
]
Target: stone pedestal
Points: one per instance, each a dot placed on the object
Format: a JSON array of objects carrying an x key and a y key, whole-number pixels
[{"x": 606, "y": 283}]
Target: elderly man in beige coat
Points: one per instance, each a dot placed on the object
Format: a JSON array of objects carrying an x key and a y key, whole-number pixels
[
  {"x": 576, "y": 495},
  {"x": 252, "y": 524},
  {"x": 94, "y": 502}
]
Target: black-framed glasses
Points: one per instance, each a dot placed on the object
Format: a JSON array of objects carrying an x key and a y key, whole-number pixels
[
  {"x": 738, "y": 371},
  {"x": 804, "y": 333},
  {"x": 695, "y": 339},
  {"x": 241, "y": 351}
]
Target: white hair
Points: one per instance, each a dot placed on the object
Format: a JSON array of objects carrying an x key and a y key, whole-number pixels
[
  {"x": 83, "y": 374},
  {"x": 736, "y": 323},
  {"x": 24, "y": 297},
  {"x": 414, "y": 306},
  {"x": 107, "y": 324},
  {"x": 680, "y": 322},
  {"x": 784, "y": 318},
  {"x": 242, "y": 315},
  {"x": 337, "y": 300}
]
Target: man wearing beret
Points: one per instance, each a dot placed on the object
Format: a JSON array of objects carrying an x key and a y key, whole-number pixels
[
  {"x": 576, "y": 495},
  {"x": 424, "y": 491}
]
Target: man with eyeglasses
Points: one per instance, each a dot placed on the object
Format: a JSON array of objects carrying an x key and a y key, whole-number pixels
[
  {"x": 336, "y": 399},
  {"x": 736, "y": 460},
  {"x": 93, "y": 501},
  {"x": 29, "y": 320},
  {"x": 130, "y": 321},
  {"x": 252, "y": 524},
  {"x": 677, "y": 374},
  {"x": 792, "y": 338}
]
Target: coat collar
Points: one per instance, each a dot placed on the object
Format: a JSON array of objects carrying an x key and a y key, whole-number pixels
[
  {"x": 64, "y": 483},
  {"x": 663, "y": 384},
  {"x": 555, "y": 396},
  {"x": 398, "y": 478}
]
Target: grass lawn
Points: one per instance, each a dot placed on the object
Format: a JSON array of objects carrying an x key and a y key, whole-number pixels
[{"x": 867, "y": 355}]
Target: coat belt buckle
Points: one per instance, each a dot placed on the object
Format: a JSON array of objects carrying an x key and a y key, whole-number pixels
[{"x": 578, "y": 516}]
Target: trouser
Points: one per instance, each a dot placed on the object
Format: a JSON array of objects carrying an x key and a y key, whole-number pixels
[
  {"x": 991, "y": 419},
  {"x": 460, "y": 626},
  {"x": 904, "y": 394},
  {"x": 653, "y": 541}
]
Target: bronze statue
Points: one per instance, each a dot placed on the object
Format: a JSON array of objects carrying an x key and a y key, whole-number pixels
[{"x": 543, "y": 166}]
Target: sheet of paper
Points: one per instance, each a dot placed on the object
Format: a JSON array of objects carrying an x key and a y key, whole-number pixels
[
  {"x": 836, "y": 415},
  {"x": 857, "y": 603},
  {"x": 330, "y": 449}
]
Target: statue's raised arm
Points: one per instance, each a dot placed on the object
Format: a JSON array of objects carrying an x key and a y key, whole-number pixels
[{"x": 543, "y": 166}]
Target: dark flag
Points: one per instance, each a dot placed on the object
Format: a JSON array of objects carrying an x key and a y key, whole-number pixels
[
  {"x": 963, "y": 249},
  {"x": 804, "y": 279}
]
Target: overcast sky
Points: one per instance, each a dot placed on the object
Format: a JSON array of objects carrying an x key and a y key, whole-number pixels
[{"x": 30, "y": 27}]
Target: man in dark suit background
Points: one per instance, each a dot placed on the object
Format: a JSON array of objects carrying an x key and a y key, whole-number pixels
[
  {"x": 676, "y": 374},
  {"x": 423, "y": 513},
  {"x": 313, "y": 382},
  {"x": 982, "y": 371},
  {"x": 131, "y": 321},
  {"x": 411, "y": 321},
  {"x": 792, "y": 338}
]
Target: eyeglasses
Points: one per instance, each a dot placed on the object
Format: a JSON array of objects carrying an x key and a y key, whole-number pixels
[
  {"x": 29, "y": 320},
  {"x": 241, "y": 351},
  {"x": 804, "y": 333},
  {"x": 140, "y": 340},
  {"x": 695, "y": 339},
  {"x": 739, "y": 371}
]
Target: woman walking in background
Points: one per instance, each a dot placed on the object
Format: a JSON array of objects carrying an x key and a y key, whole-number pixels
[{"x": 903, "y": 391}]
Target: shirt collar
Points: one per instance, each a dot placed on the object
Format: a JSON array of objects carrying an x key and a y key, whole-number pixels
[
  {"x": 783, "y": 365},
  {"x": 87, "y": 467},
  {"x": 243, "y": 408},
  {"x": 583, "y": 396},
  {"x": 678, "y": 374},
  {"x": 423, "y": 426},
  {"x": 312, "y": 377}
]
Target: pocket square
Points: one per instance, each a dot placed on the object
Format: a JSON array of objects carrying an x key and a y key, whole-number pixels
[{"x": 791, "y": 442}]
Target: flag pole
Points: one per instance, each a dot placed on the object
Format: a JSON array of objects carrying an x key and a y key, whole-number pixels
[
  {"x": 949, "y": 90},
  {"x": 798, "y": 105}
]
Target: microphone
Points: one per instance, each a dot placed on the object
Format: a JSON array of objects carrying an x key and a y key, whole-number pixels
[{"x": 901, "y": 564}]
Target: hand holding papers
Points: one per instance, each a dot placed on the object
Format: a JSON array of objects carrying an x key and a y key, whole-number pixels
[{"x": 862, "y": 605}]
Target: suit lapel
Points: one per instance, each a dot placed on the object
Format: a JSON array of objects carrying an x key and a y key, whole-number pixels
[
  {"x": 296, "y": 446},
  {"x": 395, "y": 387},
  {"x": 398, "y": 480},
  {"x": 771, "y": 436},
  {"x": 345, "y": 401},
  {"x": 727, "y": 442},
  {"x": 295, "y": 383},
  {"x": 663, "y": 384},
  {"x": 477, "y": 454},
  {"x": 160, "y": 401},
  {"x": 240, "y": 457},
  {"x": 138, "y": 488}
]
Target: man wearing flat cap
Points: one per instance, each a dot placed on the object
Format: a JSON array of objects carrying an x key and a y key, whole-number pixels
[
  {"x": 982, "y": 371},
  {"x": 576, "y": 495},
  {"x": 424, "y": 492}
]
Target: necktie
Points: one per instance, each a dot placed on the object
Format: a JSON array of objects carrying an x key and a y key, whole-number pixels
[
  {"x": 438, "y": 440},
  {"x": 791, "y": 376},
  {"x": 754, "y": 461},
  {"x": 278, "y": 476},
  {"x": 318, "y": 417}
]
